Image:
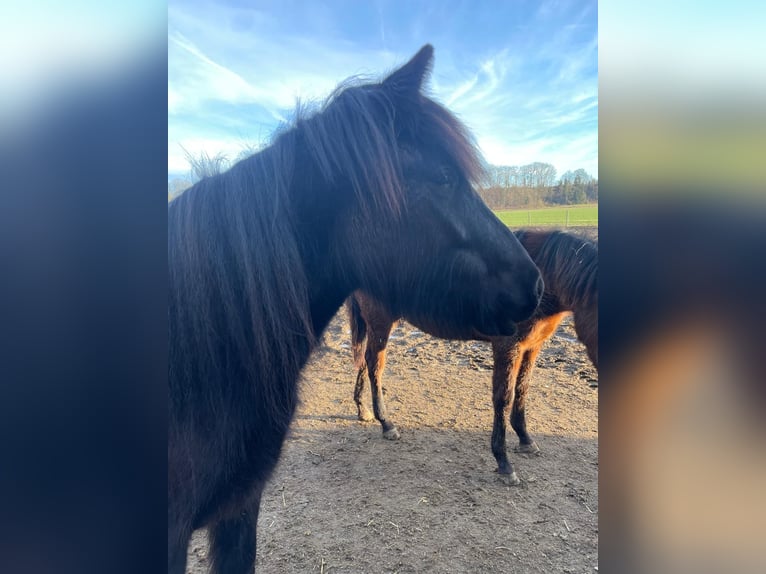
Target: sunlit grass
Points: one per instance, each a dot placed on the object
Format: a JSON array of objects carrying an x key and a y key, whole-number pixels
[{"x": 566, "y": 216}]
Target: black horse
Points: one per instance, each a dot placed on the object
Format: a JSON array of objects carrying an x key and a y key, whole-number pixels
[
  {"x": 372, "y": 192},
  {"x": 569, "y": 266}
]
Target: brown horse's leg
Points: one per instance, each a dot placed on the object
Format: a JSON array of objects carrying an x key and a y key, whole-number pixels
[
  {"x": 506, "y": 357},
  {"x": 377, "y": 339},
  {"x": 518, "y": 415},
  {"x": 363, "y": 413},
  {"x": 536, "y": 332},
  {"x": 358, "y": 325},
  {"x": 586, "y": 327},
  {"x": 232, "y": 541}
]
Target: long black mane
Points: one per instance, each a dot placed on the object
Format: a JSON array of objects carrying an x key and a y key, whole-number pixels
[
  {"x": 569, "y": 264},
  {"x": 234, "y": 250}
]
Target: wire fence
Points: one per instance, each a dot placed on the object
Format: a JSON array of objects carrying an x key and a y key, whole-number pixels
[{"x": 586, "y": 216}]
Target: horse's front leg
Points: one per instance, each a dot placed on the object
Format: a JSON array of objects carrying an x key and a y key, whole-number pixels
[
  {"x": 233, "y": 540},
  {"x": 178, "y": 544},
  {"x": 506, "y": 364},
  {"x": 518, "y": 413},
  {"x": 377, "y": 339}
]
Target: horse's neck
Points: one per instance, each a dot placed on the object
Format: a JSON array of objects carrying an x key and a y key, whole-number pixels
[
  {"x": 321, "y": 215},
  {"x": 324, "y": 304},
  {"x": 549, "y": 305},
  {"x": 563, "y": 299},
  {"x": 328, "y": 285},
  {"x": 566, "y": 285}
]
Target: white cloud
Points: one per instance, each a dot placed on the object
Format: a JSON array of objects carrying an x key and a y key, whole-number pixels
[
  {"x": 200, "y": 79},
  {"x": 517, "y": 112},
  {"x": 238, "y": 66},
  {"x": 461, "y": 90}
]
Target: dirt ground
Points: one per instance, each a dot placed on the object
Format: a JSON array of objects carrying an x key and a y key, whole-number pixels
[{"x": 345, "y": 500}]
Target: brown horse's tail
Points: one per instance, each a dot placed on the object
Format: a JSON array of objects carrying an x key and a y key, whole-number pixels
[{"x": 358, "y": 331}]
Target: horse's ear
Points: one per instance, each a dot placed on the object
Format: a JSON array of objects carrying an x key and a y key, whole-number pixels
[{"x": 410, "y": 77}]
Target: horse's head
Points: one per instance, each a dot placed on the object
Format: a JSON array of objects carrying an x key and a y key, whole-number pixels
[{"x": 419, "y": 236}]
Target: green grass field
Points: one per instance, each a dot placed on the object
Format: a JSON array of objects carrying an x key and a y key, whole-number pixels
[{"x": 567, "y": 216}]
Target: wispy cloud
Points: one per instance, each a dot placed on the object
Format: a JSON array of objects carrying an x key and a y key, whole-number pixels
[
  {"x": 523, "y": 77},
  {"x": 203, "y": 80},
  {"x": 484, "y": 84},
  {"x": 533, "y": 109},
  {"x": 462, "y": 89}
]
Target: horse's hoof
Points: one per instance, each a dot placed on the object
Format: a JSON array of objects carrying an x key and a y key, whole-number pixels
[
  {"x": 511, "y": 479},
  {"x": 506, "y": 472},
  {"x": 530, "y": 448},
  {"x": 365, "y": 416},
  {"x": 391, "y": 434}
]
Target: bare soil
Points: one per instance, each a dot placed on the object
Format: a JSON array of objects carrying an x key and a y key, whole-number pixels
[{"x": 345, "y": 500}]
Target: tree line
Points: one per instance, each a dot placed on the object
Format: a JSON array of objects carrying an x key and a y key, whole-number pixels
[
  {"x": 507, "y": 186},
  {"x": 536, "y": 185}
]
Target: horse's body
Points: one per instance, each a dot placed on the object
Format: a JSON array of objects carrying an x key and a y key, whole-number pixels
[
  {"x": 373, "y": 192},
  {"x": 569, "y": 266}
]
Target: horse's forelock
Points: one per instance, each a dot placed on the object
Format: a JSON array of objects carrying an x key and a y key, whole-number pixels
[
  {"x": 352, "y": 139},
  {"x": 355, "y": 136},
  {"x": 448, "y": 132}
]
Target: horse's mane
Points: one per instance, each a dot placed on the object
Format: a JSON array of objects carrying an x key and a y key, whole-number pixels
[
  {"x": 238, "y": 292},
  {"x": 568, "y": 263},
  {"x": 355, "y": 137}
]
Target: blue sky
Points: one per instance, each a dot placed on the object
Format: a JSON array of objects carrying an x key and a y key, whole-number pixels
[{"x": 521, "y": 75}]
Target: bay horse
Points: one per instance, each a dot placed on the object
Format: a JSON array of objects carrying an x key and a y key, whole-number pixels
[
  {"x": 569, "y": 266},
  {"x": 373, "y": 191}
]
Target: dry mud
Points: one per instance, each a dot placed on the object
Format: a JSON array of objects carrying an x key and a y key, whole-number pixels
[{"x": 344, "y": 500}]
